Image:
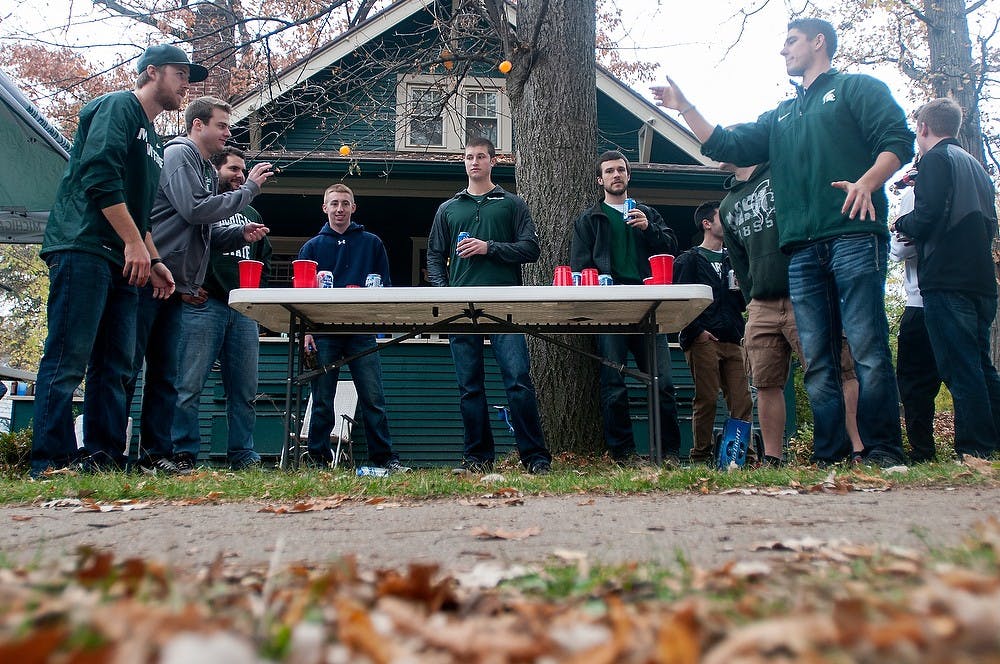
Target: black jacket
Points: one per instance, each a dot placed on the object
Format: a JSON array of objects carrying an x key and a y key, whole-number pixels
[
  {"x": 953, "y": 223},
  {"x": 591, "y": 246},
  {"x": 724, "y": 317}
]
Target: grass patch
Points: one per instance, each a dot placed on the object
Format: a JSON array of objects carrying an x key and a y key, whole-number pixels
[{"x": 571, "y": 476}]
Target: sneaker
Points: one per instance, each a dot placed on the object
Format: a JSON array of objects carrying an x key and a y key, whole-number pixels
[
  {"x": 540, "y": 468},
  {"x": 396, "y": 468},
  {"x": 249, "y": 463},
  {"x": 158, "y": 466},
  {"x": 883, "y": 460},
  {"x": 472, "y": 467},
  {"x": 184, "y": 463},
  {"x": 772, "y": 461}
]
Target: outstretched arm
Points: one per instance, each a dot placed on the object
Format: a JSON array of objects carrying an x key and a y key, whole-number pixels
[{"x": 670, "y": 96}]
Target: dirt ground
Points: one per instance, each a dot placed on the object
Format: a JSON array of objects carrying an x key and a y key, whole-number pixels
[{"x": 459, "y": 533}]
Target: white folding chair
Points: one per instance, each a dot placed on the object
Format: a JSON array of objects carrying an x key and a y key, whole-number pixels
[
  {"x": 345, "y": 405},
  {"x": 78, "y": 430}
]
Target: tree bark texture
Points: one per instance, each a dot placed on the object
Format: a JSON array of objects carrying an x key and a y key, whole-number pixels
[{"x": 553, "y": 95}]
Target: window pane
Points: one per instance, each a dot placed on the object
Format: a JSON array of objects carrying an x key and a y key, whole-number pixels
[
  {"x": 481, "y": 105},
  {"x": 426, "y": 132},
  {"x": 476, "y": 127},
  {"x": 426, "y": 123}
]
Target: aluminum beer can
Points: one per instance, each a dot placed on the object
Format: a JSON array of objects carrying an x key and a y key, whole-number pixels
[
  {"x": 373, "y": 281},
  {"x": 461, "y": 236},
  {"x": 605, "y": 280},
  {"x": 372, "y": 471},
  {"x": 577, "y": 278},
  {"x": 324, "y": 278},
  {"x": 629, "y": 205}
]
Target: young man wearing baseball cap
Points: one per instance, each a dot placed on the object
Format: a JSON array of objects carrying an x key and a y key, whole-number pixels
[{"x": 98, "y": 248}]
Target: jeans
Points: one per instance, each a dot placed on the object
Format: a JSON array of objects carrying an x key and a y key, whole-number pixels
[
  {"x": 511, "y": 353},
  {"x": 213, "y": 330},
  {"x": 919, "y": 382},
  {"x": 715, "y": 365},
  {"x": 959, "y": 328},
  {"x": 157, "y": 340},
  {"x": 614, "y": 395},
  {"x": 367, "y": 375},
  {"x": 91, "y": 319},
  {"x": 839, "y": 285}
]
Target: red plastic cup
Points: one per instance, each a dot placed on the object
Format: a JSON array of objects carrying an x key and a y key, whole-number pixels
[
  {"x": 250, "y": 272},
  {"x": 563, "y": 276},
  {"x": 304, "y": 273},
  {"x": 588, "y": 276},
  {"x": 648, "y": 281},
  {"x": 663, "y": 268},
  {"x": 352, "y": 286}
]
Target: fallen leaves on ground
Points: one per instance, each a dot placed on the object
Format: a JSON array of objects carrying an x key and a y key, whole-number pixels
[
  {"x": 832, "y": 601},
  {"x": 481, "y": 532}
]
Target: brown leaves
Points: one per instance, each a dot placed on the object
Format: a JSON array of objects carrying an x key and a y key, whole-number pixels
[
  {"x": 484, "y": 533},
  {"x": 823, "y": 601},
  {"x": 305, "y": 506}
]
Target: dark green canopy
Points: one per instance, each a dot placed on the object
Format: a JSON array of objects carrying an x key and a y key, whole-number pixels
[{"x": 33, "y": 156}]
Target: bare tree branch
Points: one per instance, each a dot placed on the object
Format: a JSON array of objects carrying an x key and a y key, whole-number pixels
[{"x": 974, "y": 6}]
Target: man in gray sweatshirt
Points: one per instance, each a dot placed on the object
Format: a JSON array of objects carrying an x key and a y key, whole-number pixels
[{"x": 185, "y": 227}]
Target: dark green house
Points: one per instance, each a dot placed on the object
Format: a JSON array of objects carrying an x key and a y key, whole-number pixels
[{"x": 401, "y": 90}]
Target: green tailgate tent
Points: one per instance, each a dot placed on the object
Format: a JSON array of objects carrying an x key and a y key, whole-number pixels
[{"x": 33, "y": 156}]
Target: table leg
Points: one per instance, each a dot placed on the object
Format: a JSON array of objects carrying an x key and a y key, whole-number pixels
[{"x": 653, "y": 399}]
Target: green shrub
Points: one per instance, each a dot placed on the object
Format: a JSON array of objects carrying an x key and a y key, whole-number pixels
[{"x": 15, "y": 452}]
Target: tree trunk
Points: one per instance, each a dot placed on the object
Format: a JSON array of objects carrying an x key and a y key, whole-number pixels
[
  {"x": 553, "y": 93},
  {"x": 955, "y": 74},
  {"x": 214, "y": 45}
]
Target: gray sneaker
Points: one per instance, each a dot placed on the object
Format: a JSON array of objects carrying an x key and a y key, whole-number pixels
[
  {"x": 158, "y": 466},
  {"x": 396, "y": 468},
  {"x": 184, "y": 463}
]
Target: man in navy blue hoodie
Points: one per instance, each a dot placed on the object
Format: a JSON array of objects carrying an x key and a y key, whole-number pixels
[{"x": 351, "y": 254}]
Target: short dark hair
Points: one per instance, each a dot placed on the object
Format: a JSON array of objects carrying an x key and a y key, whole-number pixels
[
  {"x": 612, "y": 155},
  {"x": 943, "y": 116},
  {"x": 817, "y": 26},
  {"x": 219, "y": 158},
  {"x": 202, "y": 109},
  {"x": 481, "y": 142},
  {"x": 705, "y": 212}
]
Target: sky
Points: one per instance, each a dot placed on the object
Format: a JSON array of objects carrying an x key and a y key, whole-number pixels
[
  {"x": 730, "y": 78},
  {"x": 690, "y": 44}
]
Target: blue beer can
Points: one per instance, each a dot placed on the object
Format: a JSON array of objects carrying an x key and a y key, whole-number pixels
[
  {"x": 373, "y": 281},
  {"x": 461, "y": 236},
  {"x": 325, "y": 279},
  {"x": 577, "y": 278},
  {"x": 605, "y": 280},
  {"x": 629, "y": 205}
]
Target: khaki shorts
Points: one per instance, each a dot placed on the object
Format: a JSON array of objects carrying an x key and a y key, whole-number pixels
[{"x": 770, "y": 339}]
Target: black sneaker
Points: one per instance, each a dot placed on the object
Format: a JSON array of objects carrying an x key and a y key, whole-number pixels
[
  {"x": 249, "y": 463},
  {"x": 472, "y": 467},
  {"x": 540, "y": 468},
  {"x": 396, "y": 468},
  {"x": 883, "y": 460},
  {"x": 158, "y": 466},
  {"x": 184, "y": 463}
]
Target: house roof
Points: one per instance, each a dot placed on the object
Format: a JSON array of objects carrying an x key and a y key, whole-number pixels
[{"x": 343, "y": 45}]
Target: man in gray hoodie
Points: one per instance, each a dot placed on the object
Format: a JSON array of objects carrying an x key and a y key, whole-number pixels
[{"x": 185, "y": 227}]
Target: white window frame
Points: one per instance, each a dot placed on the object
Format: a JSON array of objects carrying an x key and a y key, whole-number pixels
[{"x": 454, "y": 113}]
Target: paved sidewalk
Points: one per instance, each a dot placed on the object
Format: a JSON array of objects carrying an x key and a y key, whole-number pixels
[{"x": 705, "y": 529}]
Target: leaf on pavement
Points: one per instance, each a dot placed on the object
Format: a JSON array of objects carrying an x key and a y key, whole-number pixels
[{"x": 484, "y": 533}]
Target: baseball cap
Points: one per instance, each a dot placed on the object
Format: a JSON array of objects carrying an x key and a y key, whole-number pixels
[{"x": 168, "y": 54}]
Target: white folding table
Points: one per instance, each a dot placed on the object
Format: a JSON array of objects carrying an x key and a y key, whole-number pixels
[{"x": 538, "y": 311}]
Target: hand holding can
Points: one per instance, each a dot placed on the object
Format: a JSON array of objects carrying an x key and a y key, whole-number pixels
[{"x": 629, "y": 206}]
